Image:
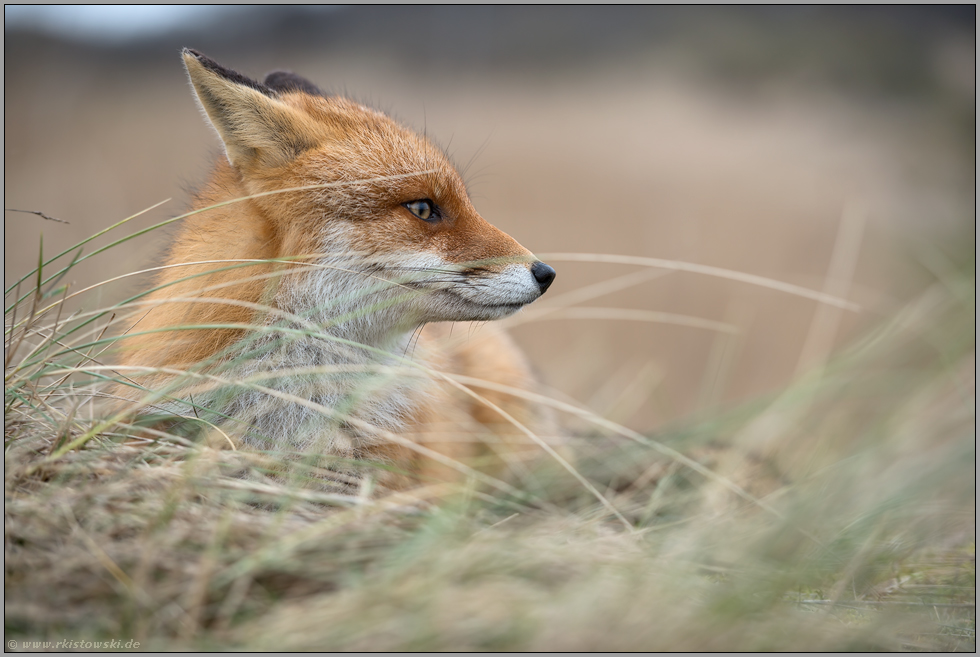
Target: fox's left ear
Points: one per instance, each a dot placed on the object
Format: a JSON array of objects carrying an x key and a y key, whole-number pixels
[{"x": 255, "y": 126}]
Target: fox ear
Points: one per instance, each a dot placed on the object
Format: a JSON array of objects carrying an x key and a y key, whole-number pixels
[
  {"x": 255, "y": 126},
  {"x": 284, "y": 81}
]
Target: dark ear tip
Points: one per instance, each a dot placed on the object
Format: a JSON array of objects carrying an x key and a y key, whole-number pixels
[
  {"x": 206, "y": 61},
  {"x": 227, "y": 73},
  {"x": 284, "y": 81}
]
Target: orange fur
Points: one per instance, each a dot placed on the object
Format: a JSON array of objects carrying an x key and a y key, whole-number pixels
[{"x": 348, "y": 255}]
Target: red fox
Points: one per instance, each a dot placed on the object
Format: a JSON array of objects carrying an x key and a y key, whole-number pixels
[{"x": 292, "y": 301}]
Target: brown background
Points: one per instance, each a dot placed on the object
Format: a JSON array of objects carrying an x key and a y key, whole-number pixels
[{"x": 736, "y": 138}]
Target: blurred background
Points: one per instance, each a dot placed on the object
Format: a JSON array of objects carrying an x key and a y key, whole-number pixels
[{"x": 827, "y": 147}]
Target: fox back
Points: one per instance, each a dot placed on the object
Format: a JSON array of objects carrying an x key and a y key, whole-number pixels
[{"x": 287, "y": 304}]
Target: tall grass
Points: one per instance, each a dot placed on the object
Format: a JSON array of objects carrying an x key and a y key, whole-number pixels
[{"x": 838, "y": 514}]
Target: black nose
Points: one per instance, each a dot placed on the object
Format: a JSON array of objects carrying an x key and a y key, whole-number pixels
[{"x": 543, "y": 274}]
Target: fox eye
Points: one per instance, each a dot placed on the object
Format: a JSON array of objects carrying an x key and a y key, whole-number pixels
[{"x": 424, "y": 209}]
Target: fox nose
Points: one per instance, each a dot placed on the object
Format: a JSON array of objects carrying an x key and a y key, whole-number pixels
[{"x": 543, "y": 274}]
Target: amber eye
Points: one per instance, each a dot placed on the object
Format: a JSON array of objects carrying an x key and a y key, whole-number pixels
[{"x": 424, "y": 209}]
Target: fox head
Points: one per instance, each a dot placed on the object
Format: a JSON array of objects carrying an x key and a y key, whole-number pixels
[{"x": 375, "y": 207}]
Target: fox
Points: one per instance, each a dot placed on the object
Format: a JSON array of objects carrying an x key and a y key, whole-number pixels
[{"x": 308, "y": 302}]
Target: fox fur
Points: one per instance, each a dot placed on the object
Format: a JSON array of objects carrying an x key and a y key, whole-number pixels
[{"x": 287, "y": 313}]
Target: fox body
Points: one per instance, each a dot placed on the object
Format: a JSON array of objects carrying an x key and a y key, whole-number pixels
[{"x": 287, "y": 308}]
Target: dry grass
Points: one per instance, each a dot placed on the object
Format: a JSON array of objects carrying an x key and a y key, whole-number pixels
[{"x": 838, "y": 514}]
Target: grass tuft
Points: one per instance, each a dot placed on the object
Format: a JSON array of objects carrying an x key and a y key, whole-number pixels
[{"x": 838, "y": 514}]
